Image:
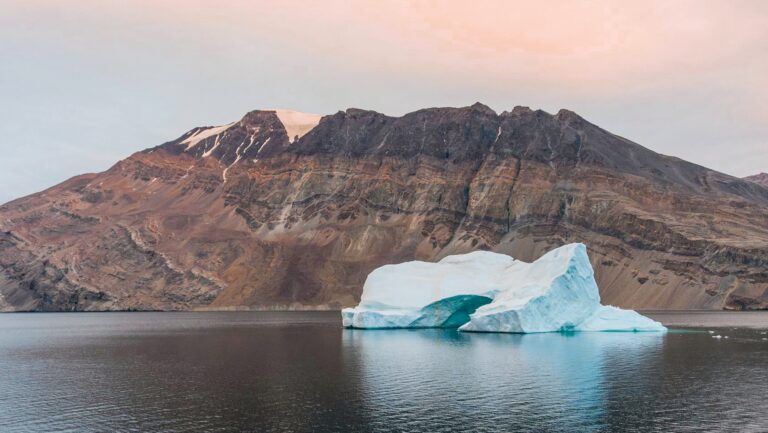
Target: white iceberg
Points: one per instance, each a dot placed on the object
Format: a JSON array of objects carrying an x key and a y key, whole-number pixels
[
  {"x": 490, "y": 292},
  {"x": 610, "y": 318}
]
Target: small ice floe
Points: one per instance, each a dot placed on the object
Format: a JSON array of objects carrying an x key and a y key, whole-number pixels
[
  {"x": 717, "y": 336},
  {"x": 765, "y": 339},
  {"x": 711, "y": 332}
]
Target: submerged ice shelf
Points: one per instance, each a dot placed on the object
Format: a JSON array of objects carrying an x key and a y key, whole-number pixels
[{"x": 490, "y": 292}]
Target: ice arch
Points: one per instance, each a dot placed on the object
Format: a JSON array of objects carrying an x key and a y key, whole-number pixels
[{"x": 450, "y": 312}]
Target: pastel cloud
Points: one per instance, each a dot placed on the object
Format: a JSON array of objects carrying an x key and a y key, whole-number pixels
[{"x": 686, "y": 78}]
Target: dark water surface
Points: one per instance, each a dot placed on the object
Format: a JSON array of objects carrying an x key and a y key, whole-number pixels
[{"x": 300, "y": 372}]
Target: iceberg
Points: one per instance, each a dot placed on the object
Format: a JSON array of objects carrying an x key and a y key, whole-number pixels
[{"x": 484, "y": 291}]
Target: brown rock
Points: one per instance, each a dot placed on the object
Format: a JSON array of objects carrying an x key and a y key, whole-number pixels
[{"x": 245, "y": 218}]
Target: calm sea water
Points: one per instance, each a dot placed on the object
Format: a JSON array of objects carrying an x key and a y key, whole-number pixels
[{"x": 300, "y": 372}]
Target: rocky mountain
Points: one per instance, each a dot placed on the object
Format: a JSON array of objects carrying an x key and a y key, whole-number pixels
[
  {"x": 289, "y": 210},
  {"x": 761, "y": 178}
]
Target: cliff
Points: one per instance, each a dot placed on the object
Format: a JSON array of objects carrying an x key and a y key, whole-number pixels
[{"x": 288, "y": 210}]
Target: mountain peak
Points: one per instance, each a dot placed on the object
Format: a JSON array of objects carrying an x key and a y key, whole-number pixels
[
  {"x": 521, "y": 109},
  {"x": 760, "y": 178},
  {"x": 482, "y": 107},
  {"x": 567, "y": 115}
]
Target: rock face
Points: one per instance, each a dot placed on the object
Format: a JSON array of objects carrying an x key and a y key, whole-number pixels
[
  {"x": 246, "y": 216},
  {"x": 760, "y": 178},
  {"x": 490, "y": 292}
]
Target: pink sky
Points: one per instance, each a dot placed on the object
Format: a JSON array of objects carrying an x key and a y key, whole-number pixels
[{"x": 686, "y": 78}]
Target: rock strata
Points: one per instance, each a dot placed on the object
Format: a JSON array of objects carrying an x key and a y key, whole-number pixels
[{"x": 244, "y": 216}]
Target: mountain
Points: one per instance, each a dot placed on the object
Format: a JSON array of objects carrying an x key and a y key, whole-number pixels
[
  {"x": 290, "y": 210},
  {"x": 761, "y": 178}
]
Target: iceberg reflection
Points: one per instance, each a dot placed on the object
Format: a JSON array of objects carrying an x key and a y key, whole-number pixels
[{"x": 535, "y": 382}]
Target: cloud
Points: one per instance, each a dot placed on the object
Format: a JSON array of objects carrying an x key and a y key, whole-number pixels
[{"x": 686, "y": 78}]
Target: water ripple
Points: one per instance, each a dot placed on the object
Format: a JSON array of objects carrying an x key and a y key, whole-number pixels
[{"x": 300, "y": 372}]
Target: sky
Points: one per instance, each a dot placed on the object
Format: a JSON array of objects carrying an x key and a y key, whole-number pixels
[{"x": 86, "y": 83}]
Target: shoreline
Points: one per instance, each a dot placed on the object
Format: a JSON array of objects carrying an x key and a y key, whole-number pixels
[
  {"x": 752, "y": 319},
  {"x": 329, "y": 309}
]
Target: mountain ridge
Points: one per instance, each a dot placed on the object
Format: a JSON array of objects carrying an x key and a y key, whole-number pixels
[
  {"x": 760, "y": 178},
  {"x": 247, "y": 217}
]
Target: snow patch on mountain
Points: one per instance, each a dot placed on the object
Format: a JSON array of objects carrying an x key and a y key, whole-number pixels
[
  {"x": 296, "y": 123},
  {"x": 203, "y": 133}
]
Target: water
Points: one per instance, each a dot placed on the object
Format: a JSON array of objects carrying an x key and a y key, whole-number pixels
[{"x": 300, "y": 372}]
